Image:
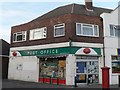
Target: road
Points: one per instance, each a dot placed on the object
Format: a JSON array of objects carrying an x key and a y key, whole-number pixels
[{"x": 10, "y": 84}]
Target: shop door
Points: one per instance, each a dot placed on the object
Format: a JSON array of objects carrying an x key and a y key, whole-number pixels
[{"x": 87, "y": 72}]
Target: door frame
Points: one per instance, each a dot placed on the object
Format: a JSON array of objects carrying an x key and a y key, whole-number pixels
[{"x": 86, "y": 60}]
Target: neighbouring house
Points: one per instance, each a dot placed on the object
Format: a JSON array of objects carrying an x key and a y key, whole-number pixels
[
  {"x": 58, "y": 46},
  {"x": 111, "y": 28},
  {"x": 4, "y": 57}
]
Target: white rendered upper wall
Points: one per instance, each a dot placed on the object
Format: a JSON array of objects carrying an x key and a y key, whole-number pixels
[{"x": 110, "y": 18}]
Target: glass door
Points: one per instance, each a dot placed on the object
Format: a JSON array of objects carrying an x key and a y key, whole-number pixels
[
  {"x": 87, "y": 71},
  {"x": 92, "y": 71}
]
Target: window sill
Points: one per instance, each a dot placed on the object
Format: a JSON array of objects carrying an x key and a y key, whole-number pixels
[
  {"x": 59, "y": 36},
  {"x": 87, "y": 35},
  {"x": 36, "y": 39},
  {"x": 18, "y": 41}
]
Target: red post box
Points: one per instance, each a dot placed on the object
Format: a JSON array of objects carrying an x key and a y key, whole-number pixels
[{"x": 105, "y": 77}]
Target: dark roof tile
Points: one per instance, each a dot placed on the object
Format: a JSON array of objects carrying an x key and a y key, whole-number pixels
[{"x": 74, "y": 9}]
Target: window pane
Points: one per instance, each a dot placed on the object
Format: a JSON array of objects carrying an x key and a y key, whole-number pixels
[
  {"x": 54, "y": 68},
  {"x": 119, "y": 33},
  {"x": 19, "y": 38},
  {"x": 87, "y": 31},
  {"x": 116, "y": 32},
  {"x": 111, "y": 30},
  {"x": 79, "y": 29},
  {"x": 37, "y": 34},
  {"x": 95, "y": 31},
  {"x": 59, "y": 30}
]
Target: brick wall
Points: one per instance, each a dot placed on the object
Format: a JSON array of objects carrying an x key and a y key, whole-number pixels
[{"x": 70, "y": 28}]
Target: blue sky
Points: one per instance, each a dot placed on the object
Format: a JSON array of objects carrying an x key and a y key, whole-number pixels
[{"x": 14, "y": 13}]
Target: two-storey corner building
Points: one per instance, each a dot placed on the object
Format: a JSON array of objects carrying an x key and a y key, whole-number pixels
[
  {"x": 58, "y": 46},
  {"x": 111, "y": 23}
]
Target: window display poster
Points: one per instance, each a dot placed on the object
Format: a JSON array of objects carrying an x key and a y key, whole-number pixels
[
  {"x": 62, "y": 63},
  {"x": 81, "y": 67},
  {"x": 82, "y": 77}
]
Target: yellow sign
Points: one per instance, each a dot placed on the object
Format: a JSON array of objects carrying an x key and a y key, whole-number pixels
[
  {"x": 62, "y": 63},
  {"x": 82, "y": 77}
]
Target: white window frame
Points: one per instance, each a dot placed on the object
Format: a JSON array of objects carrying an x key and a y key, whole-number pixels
[
  {"x": 17, "y": 33},
  {"x": 37, "y": 30},
  {"x": 82, "y": 30},
  {"x": 114, "y": 35},
  {"x": 59, "y": 27}
]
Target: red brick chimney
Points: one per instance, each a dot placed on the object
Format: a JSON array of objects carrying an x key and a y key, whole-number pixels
[{"x": 88, "y": 5}]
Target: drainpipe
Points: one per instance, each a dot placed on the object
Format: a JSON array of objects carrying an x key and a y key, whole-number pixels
[
  {"x": 103, "y": 53},
  {"x": 103, "y": 44}
]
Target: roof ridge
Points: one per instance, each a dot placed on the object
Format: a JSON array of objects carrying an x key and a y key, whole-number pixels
[{"x": 72, "y": 9}]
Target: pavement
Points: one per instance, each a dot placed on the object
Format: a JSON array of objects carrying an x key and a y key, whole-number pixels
[{"x": 10, "y": 84}]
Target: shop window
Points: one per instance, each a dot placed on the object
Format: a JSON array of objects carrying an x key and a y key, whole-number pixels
[
  {"x": 59, "y": 30},
  {"x": 87, "y": 30},
  {"x": 114, "y": 30},
  {"x": 53, "y": 67},
  {"x": 116, "y": 64},
  {"x": 19, "y": 36},
  {"x": 39, "y": 33}
]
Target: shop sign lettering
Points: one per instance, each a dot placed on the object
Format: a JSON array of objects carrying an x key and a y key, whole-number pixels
[
  {"x": 53, "y": 51},
  {"x": 40, "y": 52}
]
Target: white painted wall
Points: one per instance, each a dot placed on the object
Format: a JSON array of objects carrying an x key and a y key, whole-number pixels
[
  {"x": 110, "y": 43},
  {"x": 70, "y": 62},
  {"x": 57, "y": 45},
  {"x": 101, "y": 64},
  {"x": 54, "y": 45},
  {"x": 29, "y": 70},
  {"x": 70, "y": 69}
]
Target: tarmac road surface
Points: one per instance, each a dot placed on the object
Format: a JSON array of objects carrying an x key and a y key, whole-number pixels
[{"x": 23, "y": 84}]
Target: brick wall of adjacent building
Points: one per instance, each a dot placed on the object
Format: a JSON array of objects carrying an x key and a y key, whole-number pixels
[{"x": 4, "y": 57}]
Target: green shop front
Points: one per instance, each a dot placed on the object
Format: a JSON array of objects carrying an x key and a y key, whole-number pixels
[{"x": 53, "y": 62}]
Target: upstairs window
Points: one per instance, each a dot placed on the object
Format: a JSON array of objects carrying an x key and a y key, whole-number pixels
[
  {"x": 114, "y": 30},
  {"x": 87, "y": 30},
  {"x": 19, "y": 36},
  {"x": 39, "y": 33},
  {"x": 59, "y": 30}
]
